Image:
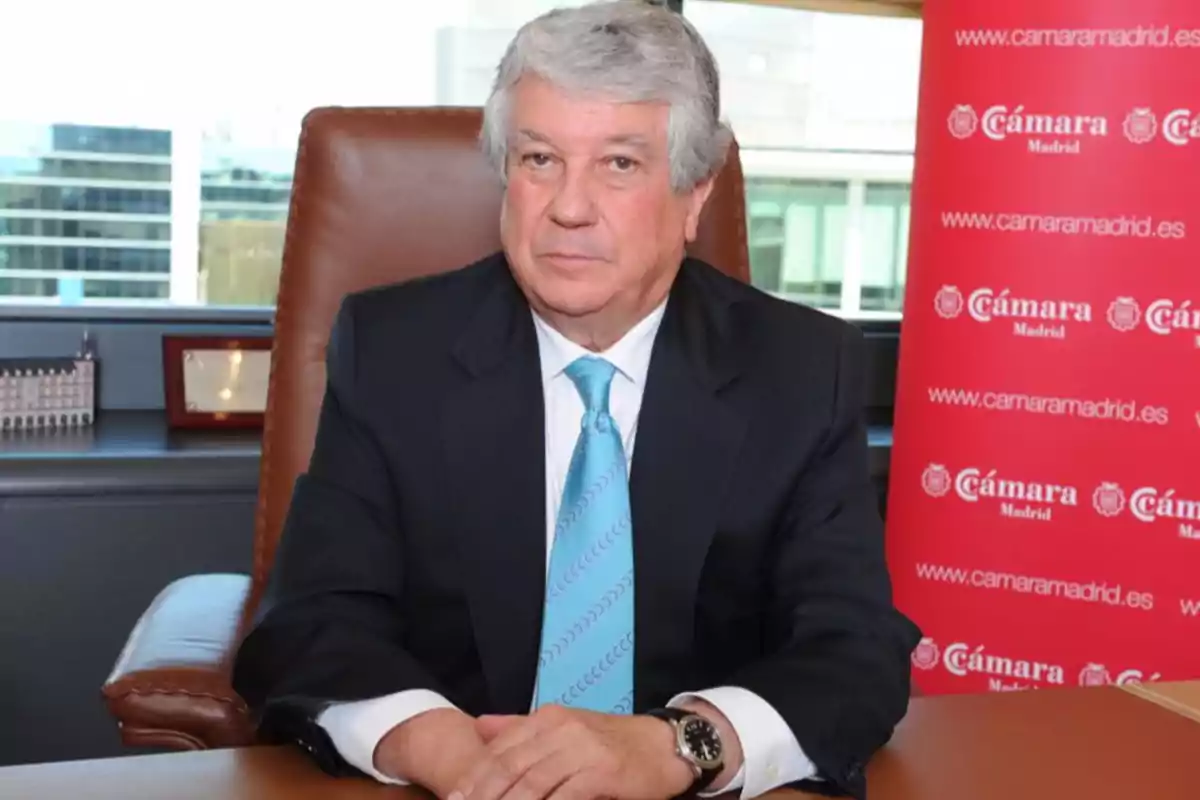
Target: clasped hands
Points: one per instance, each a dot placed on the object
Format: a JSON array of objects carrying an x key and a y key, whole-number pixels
[
  {"x": 554, "y": 753},
  {"x": 557, "y": 753}
]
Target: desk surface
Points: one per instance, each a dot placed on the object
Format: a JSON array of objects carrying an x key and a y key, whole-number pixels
[
  {"x": 1099, "y": 744},
  {"x": 127, "y": 452}
]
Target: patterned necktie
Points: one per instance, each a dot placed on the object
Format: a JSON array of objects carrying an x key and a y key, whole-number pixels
[{"x": 587, "y": 629}]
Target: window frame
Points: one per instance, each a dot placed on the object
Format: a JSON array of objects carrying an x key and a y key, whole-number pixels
[{"x": 111, "y": 313}]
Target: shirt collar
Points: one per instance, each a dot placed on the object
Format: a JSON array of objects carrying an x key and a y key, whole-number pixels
[{"x": 630, "y": 355}]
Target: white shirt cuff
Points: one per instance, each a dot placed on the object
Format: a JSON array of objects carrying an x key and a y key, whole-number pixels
[
  {"x": 771, "y": 756},
  {"x": 357, "y": 728}
]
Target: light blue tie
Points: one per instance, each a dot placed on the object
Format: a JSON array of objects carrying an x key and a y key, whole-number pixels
[{"x": 587, "y": 628}]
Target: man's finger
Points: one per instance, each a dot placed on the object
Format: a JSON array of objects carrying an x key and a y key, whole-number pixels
[
  {"x": 502, "y": 769},
  {"x": 580, "y": 786},
  {"x": 526, "y": 728},
  {"x": 544, "y": 777},
  {"x": 517, "y": 733}
]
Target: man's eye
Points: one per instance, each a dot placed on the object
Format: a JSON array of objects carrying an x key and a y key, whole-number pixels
[
  {"x": 622, "y": 163},
  {"x": 536, "y": 159}
]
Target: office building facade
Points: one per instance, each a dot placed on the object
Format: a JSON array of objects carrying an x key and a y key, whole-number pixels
[
  {"x": 135, "y": 216},
  {"x": 85, "y": 213}
]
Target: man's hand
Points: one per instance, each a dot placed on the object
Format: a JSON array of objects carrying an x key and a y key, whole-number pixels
[
  {"x": 568, "y": 754},
  {"x": 434, "y": 749}
]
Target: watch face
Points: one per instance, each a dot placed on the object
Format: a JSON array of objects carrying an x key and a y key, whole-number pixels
[{"x": 703, "y": 742}]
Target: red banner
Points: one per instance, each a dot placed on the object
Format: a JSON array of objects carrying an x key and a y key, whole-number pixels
[{"x": 1044, "y": 509}]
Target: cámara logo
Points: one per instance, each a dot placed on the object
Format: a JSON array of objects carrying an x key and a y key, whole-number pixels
[
  {"x": 1149, "y": 504},
  {"x": 926, "y": 654},
  {"x": 948, "y": 302},
  {"x": 1140, "y": 126},
  {"x": 973, "y": 484},
  {"x": 1181, "y": 126},
  {"x": 1094, "y": 675},
  {"x": 1165, "y": 316},
  {"x": 1178, "y": 127},
  {"x": 936, "y": 480},
  {"x": 1108, "y": 499},
  {"x": 1018, "y": 499},
  {"x": 1162, "y": 317},
  {"x": 961, "y": 660},
  {"x": 985, "y": 305},
  {"x": 963, "y": 122},
  {"x": 1124, "y": 314},
  {"x": 1098, "y": 675},
  {"x": 1052, "y": 134},
  {"x": 1030, "y": 317}
]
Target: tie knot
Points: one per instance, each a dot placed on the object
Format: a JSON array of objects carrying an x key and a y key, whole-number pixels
[{"x": 592, "y": 377}]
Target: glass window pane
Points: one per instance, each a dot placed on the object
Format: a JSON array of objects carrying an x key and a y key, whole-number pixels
[
  {"x": 798, "y": 238},
  {"x": 822, "y": 99},
  {"x": 885, "y": 240},
  {"x": 801, "y": 252},
  {"x": 879, "y": 245},
  {"x": 833, "y": 259},
  {"x": 129, "y": 167},
  {"x": 803, "y": 90}
]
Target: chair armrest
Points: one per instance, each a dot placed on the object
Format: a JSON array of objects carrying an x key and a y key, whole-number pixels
[{"x": 171, "y": 684}]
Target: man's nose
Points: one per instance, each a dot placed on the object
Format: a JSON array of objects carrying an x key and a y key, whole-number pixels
[{"x": 574, "y": 203}]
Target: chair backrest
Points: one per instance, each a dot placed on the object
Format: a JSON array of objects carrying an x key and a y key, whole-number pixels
[{"x": 381, "y": 195}]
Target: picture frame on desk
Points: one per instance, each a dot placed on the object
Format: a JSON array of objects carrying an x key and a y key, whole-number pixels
[{"x": 216, "y": 381}]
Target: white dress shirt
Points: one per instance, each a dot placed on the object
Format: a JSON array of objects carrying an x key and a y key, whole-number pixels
[{"x": 771, "y": 754}]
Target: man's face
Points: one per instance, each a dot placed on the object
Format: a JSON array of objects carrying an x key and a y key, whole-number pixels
[{"x": 590, "y": 222}]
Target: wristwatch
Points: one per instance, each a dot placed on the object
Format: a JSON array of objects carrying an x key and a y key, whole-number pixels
[{"x": 697, "y": 742}]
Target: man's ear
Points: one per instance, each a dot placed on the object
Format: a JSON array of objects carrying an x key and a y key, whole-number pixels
[{"x": 696, "y": 197}]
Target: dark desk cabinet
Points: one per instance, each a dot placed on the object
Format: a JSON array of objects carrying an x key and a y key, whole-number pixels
[{"x": 92, "y": 526}]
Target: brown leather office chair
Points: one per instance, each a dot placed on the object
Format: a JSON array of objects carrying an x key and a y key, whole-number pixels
[{"x": 379, "y": 196}]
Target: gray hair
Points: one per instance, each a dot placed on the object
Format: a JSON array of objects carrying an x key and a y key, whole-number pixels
[{"x": 631, "y": 50}]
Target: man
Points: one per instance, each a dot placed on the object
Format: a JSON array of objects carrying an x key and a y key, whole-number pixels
[{"x": 485, "y": 585}]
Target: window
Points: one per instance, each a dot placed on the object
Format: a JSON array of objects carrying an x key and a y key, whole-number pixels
[
  {"x": 823, "y": 106},
  {"x": 28, "y": 288},
  {"x": 159, "y": 178},
  {"x": 824, "y": 109},
  {"x": 797, "y": 237},
  {"x": 110, "y": 163},
  {"x": 169, "y": 184},
  {"x": 885, "y": 245}
]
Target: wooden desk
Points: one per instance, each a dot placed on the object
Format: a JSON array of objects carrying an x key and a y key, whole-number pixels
[
  {"x": 1099, "y": 744},
  {"x": 1182, "y": 698},
  {"x": 1068, "y": 744}
]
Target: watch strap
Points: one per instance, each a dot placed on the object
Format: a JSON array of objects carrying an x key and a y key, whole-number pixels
[{"x": 704, "y": 777}]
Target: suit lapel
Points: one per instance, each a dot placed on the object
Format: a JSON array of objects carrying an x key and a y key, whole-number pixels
[
  {"x": 687, "y": 443},
  {"x": 494, "y": 431}
]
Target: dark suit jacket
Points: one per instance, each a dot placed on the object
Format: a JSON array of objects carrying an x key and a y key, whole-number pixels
[{"x": 413, "y": 555}]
